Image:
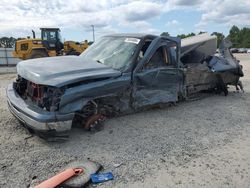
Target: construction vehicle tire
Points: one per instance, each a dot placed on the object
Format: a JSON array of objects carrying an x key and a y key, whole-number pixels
[
  {"x": 73, "y": 52},
  {"x": 38, "y": 54}
]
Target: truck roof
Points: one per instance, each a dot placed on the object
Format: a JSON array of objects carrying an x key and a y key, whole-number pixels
[
  {"x": 135, "y": 35},
  {"x": 204, "y": 43}
]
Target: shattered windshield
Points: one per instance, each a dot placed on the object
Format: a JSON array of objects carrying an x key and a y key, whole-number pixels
[{"x": 115, "y": 52}]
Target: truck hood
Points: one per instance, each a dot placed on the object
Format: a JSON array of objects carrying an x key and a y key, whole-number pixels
[{"x": 60, "y": 71}]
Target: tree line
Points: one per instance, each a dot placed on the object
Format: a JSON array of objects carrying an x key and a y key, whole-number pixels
[
  {"x": 240, "y": 38},
  {"x": 7, "y": 42}
]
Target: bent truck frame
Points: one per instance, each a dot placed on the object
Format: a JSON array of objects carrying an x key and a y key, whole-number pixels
[{"x": 118, "y": 74}]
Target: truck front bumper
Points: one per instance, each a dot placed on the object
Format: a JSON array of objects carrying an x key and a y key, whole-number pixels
[{"x": 36, "y": 119}]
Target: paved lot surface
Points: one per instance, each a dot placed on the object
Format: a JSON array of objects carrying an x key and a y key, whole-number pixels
[{"x": 201, "y": 143}]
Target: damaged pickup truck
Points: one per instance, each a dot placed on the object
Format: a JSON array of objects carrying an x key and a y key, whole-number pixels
[{"x": 118, "y": 74}]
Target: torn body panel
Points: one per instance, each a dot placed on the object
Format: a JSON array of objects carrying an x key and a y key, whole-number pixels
[
  {"x": 61, "y": 71},
  {"x": 76, "y": 97},
  {"x": 156, "y": 86},
  {"x": 225, "y": 61},
  {"x": 205, "y": 70}
]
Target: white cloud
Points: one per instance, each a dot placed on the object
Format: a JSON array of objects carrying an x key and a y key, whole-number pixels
[
  {"x": 181, "y": 4},
  {"x": 17, "y": 17},
  {"x": 20, "y": 16},
  {"x": 227, "y": 13},
  {"x": 185, "y": 2},
  {"x": 173, "y": 23},
  {"x": 223, "y": 12},
  {"x": 139, "y": 10}
]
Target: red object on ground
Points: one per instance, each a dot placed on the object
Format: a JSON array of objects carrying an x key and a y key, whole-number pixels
[{"x": 60, "y": 178}]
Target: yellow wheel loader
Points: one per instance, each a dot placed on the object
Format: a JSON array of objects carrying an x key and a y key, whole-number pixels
[{"x": 50, "y": 44}]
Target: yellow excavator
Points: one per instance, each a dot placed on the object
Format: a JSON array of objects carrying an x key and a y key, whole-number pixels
[{"x": 50, "y": 44}]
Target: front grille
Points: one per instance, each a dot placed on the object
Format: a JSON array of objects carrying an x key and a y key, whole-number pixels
[
  {"x": 46, "y": 97},
  {"x": 34, "y": 91}
]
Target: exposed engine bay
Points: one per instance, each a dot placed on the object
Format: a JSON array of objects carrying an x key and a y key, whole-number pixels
[{"x": 46, "y": 97}]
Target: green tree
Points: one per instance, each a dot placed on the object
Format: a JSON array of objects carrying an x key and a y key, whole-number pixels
[
  {"x": 190, "y": 34},
  {"x": 244, "y": 37},
  {"x": 240, "y": 38},
  {"x": 7, "y": 42},
  {"x": 201, "y": 32},
  {"x": 182, "y": 36},
  {"x": 165, "y": 34},
  {"x": 234, "y": 36}
]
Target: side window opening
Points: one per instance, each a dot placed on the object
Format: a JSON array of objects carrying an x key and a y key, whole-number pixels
[
  {"x": 144, "y": 49},
  {"x": 172, "y": 53},
  {"x": 159, "y": 59},
  {"x": 52, "y": 35},
  {"x": 49, "y": 35},
  {"x": 193, "y": 57}
]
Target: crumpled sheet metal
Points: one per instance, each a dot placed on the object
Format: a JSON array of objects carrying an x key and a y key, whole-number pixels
[
  {"x": 148, "y": 88},
  {"x": 225, "y": 60},
  {"x": 75, "y": 98}
]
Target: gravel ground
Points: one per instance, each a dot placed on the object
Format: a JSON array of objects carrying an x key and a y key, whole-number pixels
[{"x": 202, "y": 143}]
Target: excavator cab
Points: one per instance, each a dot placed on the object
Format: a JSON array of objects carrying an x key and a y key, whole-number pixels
[{"x": 51, "y": 39}]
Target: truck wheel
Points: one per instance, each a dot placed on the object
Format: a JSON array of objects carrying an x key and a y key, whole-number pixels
[
  {"x": 90, "y": 117},
  {"x": 38, "y": 54}
]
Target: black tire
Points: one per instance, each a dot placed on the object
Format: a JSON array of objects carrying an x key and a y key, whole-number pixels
[
  {"x": 37, "y": 54},
  {"x": 73, "y": 52}
]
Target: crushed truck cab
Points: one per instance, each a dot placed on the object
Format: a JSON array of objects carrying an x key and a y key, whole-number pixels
[{"x": 118, "y": 74}]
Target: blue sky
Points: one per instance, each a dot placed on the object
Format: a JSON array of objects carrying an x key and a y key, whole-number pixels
[{"x": 18, "y": 17}]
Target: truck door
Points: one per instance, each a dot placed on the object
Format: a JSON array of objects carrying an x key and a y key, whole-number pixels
[{"x": 157, "y": 78}]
